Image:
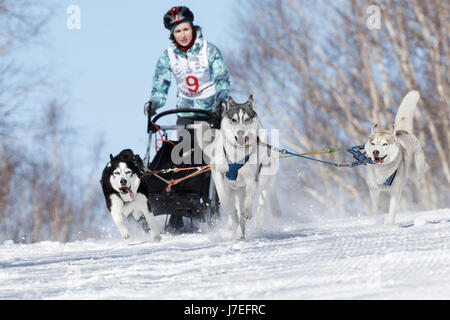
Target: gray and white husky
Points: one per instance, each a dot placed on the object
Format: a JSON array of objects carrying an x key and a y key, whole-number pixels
[
  {"x": 397, "y": 157},
  {"x": 125, "y": 192},
  {"x": 241, "y": 165}
]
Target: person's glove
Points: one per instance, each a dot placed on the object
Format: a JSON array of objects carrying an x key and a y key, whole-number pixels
[
  {"x": 221, "y": 107},
  {"x": 150, "y": 108}
]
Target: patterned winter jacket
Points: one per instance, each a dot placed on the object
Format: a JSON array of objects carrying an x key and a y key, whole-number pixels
[{"x": 218, "y": 70}]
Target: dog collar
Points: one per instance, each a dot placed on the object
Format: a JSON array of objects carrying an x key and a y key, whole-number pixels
[
  {"x": 125, "y": 201},
  {"x": 233, "y": 168},
  {"x": 132, "y": 197}
]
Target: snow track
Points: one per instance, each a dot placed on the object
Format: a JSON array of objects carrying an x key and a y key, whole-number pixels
[{"x": 352, "y": 258}]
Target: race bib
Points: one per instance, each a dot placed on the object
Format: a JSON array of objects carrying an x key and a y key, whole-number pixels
[{"x": 192, "y": 74}]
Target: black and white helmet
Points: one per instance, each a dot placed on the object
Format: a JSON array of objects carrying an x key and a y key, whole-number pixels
[{"x": 177, "y": 15}]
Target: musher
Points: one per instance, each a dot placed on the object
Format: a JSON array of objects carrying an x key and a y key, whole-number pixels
[{"x": 200, "y": 71}]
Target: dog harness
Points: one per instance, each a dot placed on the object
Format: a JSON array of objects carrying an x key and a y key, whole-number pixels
[
  {"x": 362, "y": 158},
  {"x": 192, "y": 74},
  {"x": 389, "y": 180},
  {"x": 359, "y": 155},
  {"x": 233, "y": 168}
]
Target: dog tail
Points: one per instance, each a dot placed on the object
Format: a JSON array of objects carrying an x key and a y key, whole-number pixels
[{"x": 405, "y": 114}]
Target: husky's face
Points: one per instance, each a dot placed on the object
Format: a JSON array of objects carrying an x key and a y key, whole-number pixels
[
  {"x": 124, "y": 180},
  {"x": 239, "y": 123},
  {"x": 381, "y": 146}
]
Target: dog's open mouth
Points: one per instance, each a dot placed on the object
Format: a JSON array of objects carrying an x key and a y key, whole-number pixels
[
  {"x": 242, "y": 141},
  {"x": 379, "y": 160},
  {"x": 126, "y": 190}
]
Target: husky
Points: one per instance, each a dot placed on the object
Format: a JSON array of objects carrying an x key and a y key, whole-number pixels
[
  {"x": 240, "y": 165},
  {"x": 125, "y": 192},
  {"x": 397, "y": 156}
]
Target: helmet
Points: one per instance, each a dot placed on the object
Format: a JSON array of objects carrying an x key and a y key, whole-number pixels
[{"x": 177, "y": 15}]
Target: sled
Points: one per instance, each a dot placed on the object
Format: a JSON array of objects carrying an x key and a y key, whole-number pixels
[{"x": 194, "y": 195}]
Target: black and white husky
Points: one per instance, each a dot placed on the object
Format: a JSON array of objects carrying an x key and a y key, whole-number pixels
[
  {"x": 397, "y": 157},
  {"x": 125, "y": 192},
  {"x": 241, "y": 165}
]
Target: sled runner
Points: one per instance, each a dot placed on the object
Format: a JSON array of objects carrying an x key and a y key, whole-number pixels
[{"x": 180, "y": 189}]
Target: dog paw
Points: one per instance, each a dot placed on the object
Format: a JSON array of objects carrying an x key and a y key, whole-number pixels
[
  {"x": 238, "y": 237},
  {"x": 246, "y": 214},
  {"x": 126, "y": 236},
  {"x": 157, "y": 237}
]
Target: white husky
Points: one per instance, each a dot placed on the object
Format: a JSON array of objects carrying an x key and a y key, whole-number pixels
[
  {"x": 397, "y": 156},
  {"x": 240, "y": 164}
]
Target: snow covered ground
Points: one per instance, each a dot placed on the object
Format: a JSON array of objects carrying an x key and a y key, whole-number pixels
[{"x": 349, "y": 258}]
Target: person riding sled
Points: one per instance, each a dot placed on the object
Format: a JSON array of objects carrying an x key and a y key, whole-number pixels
[{"x": 200, "y": 71}]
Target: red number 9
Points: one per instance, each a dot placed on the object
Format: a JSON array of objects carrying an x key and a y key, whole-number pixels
[{"x": 192, "y": 82}]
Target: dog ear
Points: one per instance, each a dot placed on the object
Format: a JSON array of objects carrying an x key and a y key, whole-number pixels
[
  {"x": 373, "y": 128},
  {"x": 111, "y": 157},
  {"x": 138, "y": 161},
  {"x": 250, "y": 101},
  {"x": 139, "y": 164},
  {"x": 226, "y": 107},
  {"x": 230, "y": 102}
]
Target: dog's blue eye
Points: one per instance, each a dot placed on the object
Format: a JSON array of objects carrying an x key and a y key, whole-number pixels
[
  {"x": 385, "y": 144},
  {"x": 128, "y": 172},
  {"x": 116, "y": 173}
]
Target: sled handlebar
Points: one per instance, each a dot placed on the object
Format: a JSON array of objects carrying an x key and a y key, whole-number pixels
[{"x": 211, "y": 117}]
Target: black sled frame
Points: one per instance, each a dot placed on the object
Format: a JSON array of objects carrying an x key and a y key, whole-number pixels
[{"x": 196, "y": 197}]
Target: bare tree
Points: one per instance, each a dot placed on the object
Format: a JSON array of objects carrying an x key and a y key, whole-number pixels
[
  {"x": 43, "y": 195},
  {"x": 40, "y": 196},
  {"x": 319, "y": 72},
  {"x": 21, "y": 25}
]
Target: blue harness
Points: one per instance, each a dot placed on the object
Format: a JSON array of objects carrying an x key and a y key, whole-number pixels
[
  {"x": 389, "y": 180},
  {"x": 361, "y": 158},
  {"x": 233, "y": 168}
]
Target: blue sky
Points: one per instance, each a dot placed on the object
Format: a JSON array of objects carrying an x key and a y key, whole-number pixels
[{"x": 106, "y": 67}]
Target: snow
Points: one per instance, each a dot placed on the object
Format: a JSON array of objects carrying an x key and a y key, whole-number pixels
[{"x": 347, "y": 258}]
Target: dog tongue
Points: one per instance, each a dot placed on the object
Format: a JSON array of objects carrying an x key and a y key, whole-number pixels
[
  {"x": 380, "y": 160},
  {"x": 131, "y": 193}
]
